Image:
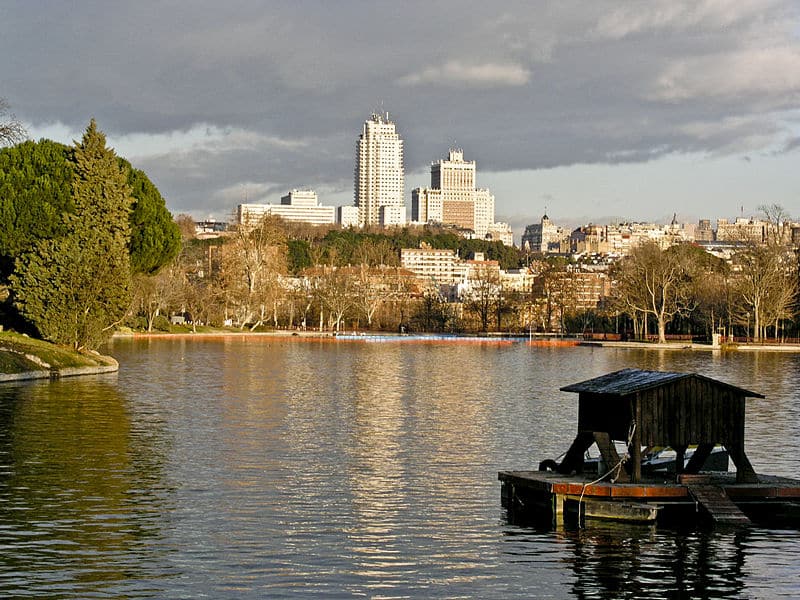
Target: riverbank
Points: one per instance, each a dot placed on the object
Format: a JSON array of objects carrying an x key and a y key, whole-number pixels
[
  {"x": 701, "y": 347},
  {"x": 388, "y": 337},
  {"x": 23, "y": 358}
]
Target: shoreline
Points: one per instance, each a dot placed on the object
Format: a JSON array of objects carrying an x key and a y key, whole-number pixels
[
  {"x": 445, "y": 338},
  {"x": 112, "y": 366}
]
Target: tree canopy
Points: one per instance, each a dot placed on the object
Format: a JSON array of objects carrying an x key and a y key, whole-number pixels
[
  {"x": 74, "y": 288},
  {"x": 155, "y": 238},
  {"x": 35, "y": 191}
]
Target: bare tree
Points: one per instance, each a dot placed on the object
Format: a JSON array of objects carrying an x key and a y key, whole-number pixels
[
  {"x": 252, "y": 264},
  {"x": 766, "y": 285},
  {"x": 370, "y": 292},
  {"x": 186, "y": 226},
  {"x": 779, "y": 226},
  {"x": 651, "y": 281},
  {"x": 11, "y": 130},
  {"x": 335, "y": 289},
  {"x": 482, "y": 294}
]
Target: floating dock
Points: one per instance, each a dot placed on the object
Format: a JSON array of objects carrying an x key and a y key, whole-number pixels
[{"x": 549, "y": 498}]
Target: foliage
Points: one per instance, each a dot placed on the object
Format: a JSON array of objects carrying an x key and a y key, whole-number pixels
[
  {"x": 352, "y": 247},
  {"x": 155, "y": 239},
  {"x": 433, "y": 313},
  {"x": 299, "y": 256},
  {"x": 74, "y": 288},
  {"x": 34, "y": 192}
]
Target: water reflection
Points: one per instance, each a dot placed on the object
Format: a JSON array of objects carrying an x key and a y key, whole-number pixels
[
  {"x": 255, "y": 467},
  {"x": 71, "y": 488}
]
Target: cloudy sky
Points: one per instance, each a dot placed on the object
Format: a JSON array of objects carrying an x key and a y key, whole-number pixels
[{"x": 588, "y": 110}]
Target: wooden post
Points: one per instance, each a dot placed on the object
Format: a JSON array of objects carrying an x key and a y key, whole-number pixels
[
  {"x": 744, "y": 470},
  {"x": 680, "y": 457},
  {"x": 573, "y": 461},
  {"x": 636, "y": 443},
  {"x": 699, "y": 458}
]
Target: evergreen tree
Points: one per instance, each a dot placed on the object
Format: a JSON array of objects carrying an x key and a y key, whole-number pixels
[
  {"x": 35, "y": 189},
  {"x": 74, "y": 288},
  {"x": 34, "y": 192},
  {"x": 155, "y": 237}
]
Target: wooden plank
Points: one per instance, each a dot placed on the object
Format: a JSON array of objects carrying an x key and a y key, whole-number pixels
[
  {"x": 717, "y": 504},
  {"x": 637, "y": 512},
  {"x": 636, "y": 454}
]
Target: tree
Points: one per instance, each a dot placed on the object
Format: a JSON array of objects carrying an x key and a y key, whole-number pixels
[
  {"x": 34, "y": 193},
  {"x": 11, "y": 130},
  {"x": 766, "y": 284},
  {"x": 76, "y": 287},
  {"x": 252, "y": 265},
  {"x": 433, "y": 311},
  {"x": 483, "y": 293},
  {"x": 185, "y": 224},
  {"x": 155, "y": 238},
  {"x": 335, "y": 290},
  {"x": 656, "y": 282}
]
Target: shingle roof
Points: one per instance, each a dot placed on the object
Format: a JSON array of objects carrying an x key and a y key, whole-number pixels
[{"x": 630, "y": 381}]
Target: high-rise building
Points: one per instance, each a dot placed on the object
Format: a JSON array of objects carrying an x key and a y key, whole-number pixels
[
  {"x": 453, "y": 198},
  {"x": 379, "y": 178}
]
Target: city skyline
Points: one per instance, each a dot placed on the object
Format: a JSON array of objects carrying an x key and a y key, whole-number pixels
[{"x": 588, "y": 113}]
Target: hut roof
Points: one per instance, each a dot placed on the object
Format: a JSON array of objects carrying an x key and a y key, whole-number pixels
[{"x": 630, "y": 381}]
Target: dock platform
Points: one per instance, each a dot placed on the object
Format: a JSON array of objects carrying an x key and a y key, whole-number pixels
[{"x": 546, "y": 496}]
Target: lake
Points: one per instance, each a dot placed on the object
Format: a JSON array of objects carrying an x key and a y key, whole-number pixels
[{"x": 261, "y": 467}]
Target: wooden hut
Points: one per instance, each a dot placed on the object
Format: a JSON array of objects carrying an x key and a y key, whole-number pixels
[{"x": 659, "y": 409}]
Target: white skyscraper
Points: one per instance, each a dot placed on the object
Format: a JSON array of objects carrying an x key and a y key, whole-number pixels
[{"x": 379, "y": 180}]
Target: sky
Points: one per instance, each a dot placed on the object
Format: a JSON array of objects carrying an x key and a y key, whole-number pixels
[{"x": 589, "y": 111}]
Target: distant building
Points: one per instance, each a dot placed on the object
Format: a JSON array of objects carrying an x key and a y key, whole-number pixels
[
  {"x": 703, "y": 232},
  {"x": 453, "y": 199},
  {"x": 209, "y": 229},
  {"x": 432, "y": 264},
  {"x": 347, "y": 216},
  {"x": 379, "y": 176},
  {"x": 500, "y": 232},
  {"x": 389, "y": 216},
  {"x": 545, "y": 237},
  {"x": 297, "y": 205},
  {"x": 741, "y": 230},
  {"x": 591, "y": 239}
]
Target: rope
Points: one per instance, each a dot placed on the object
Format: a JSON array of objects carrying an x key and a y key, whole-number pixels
[{"x": 616, "y": 468}]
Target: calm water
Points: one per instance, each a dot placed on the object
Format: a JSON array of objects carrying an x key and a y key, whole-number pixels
[{"x": 262, "y": 468}]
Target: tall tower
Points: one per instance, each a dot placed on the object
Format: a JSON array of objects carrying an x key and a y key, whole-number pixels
[
  {"x": 453, "y": 198},
  {"x": 379, "y": 179}
]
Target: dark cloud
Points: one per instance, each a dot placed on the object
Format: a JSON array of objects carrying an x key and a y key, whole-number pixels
[{"x": 522, "y": 86}]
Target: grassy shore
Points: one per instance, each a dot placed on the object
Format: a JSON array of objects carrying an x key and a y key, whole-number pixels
[{"x": 21, "y": 354}]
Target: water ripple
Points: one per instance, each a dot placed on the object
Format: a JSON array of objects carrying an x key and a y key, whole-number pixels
[{"x": 265, "y": 468}]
